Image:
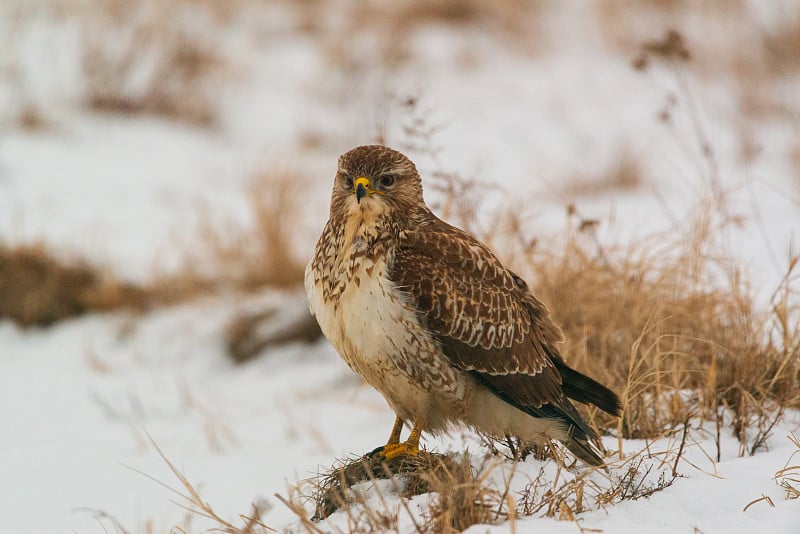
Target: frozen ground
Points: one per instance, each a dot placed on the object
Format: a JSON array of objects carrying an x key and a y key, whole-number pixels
[{"x": 77, "y": 400}]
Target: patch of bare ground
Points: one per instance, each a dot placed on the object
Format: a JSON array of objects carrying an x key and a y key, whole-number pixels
[{"x": 372, "y": 495}]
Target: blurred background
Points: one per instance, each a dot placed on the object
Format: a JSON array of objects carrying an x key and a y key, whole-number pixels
[
  {"x": 171, "y": 162},
  {"x": 133, "y": 128}
]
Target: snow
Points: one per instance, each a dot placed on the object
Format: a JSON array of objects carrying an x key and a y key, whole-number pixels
[{"x": 80, "y": 401}]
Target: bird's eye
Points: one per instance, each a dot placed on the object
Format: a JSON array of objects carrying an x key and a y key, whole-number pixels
[
  {"x": 386, "y": 181},
  {"x": 348, "y": 181}
]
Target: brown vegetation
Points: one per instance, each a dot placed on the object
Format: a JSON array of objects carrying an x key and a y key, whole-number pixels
[
  {"x": 333, "y": 490},
  {"x": 386, "y": 26},
  {"x": 249, "y": 334},
  {"x": 675, "y": 333},
  {"x": 38, "y": 288},
  {"x": 462, "y": 496},
  {"x": 624, "y": 174},
  {"x": 261, "y": 253},
  {"x": 788, "y": 477}
]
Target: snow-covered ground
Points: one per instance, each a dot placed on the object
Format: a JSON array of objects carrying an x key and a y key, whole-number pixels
[{"x": 78, "y": 400}]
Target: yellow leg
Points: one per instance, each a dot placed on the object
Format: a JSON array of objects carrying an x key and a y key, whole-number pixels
[
  {"x": 410, "y": 447},
  {"x": 394, "y": 437},
  {"x": 416, "y": 433}
]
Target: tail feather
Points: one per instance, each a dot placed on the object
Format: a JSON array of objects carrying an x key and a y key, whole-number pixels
[
  {"x": 581, "y": 440},
  {"x": 585, "y": 449},
  {"x": 581, "y": 388}
]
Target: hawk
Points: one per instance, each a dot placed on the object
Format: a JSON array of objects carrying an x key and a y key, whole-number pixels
[{"x": 431, "y": 318}]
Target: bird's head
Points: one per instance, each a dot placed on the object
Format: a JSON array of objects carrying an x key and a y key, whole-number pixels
[{"x": 376, "y": 181}]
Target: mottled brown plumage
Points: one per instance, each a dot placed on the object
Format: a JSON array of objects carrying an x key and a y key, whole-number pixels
[{"x": 431, "y": 318}]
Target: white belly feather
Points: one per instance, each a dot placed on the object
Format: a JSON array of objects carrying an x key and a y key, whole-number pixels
[{"x": 370, "y": 326}]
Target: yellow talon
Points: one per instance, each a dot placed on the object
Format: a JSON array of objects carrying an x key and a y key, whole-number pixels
[{"x": 393, "y": 450}]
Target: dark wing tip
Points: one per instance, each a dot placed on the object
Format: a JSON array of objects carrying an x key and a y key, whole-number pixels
[{"x": 581, "y": 388}]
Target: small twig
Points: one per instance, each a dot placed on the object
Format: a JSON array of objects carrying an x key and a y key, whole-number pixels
[
  {"x": 100, "y": 515},
  {"x": 762, "y": 498},
  {"x": 299, "y": 512},
  {"x": 683, "y": 444}
]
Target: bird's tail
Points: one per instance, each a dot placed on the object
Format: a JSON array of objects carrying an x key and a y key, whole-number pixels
[
  {"x": 585, "y": 448},
  {"x": 577, "y": 386},
  {"x": 580, "y": 438}
]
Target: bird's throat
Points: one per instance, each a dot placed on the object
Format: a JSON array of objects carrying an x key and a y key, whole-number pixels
[{"x": 364, "y": 223}]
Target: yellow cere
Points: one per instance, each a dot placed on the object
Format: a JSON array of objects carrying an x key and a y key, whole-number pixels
[{"x": 363, "y": 180}]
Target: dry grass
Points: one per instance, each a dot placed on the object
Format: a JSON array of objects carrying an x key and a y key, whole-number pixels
[
  {"x": 789, "y": 476},
  {"x": 259, "y": 254},
  {"x": 192, "y": 501},
  {"x": 624, "y": 174},
  {"x": 462, "y": 496},
  {"x": 386, "y": 27},
  {"x": 673, "y": 331},
  {"x": 30, "y": 118},
  {"x": 565, "y": 496},
  {"x": 780, "y": 46},
  {"x": 760, "y": 72},
  {"x": 141, "y": 58},
  {"x": 671, "y": 48},
  {"x": 333, "y": 490},
  {"x": 512, "y": 16},
  {"x": 463, "y": 499},
  {"x": 39, "y": 288},
  {"x": 249, "y": 334}
]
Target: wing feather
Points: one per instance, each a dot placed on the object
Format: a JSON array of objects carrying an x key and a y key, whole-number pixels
[{"x": 484, "y": 317}]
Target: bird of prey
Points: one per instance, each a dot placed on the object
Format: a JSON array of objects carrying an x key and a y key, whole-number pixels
[{"x": 431, "y": 318}]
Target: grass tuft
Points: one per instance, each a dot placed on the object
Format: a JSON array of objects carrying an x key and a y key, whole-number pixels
[
  {"x": 259, "y": 254},
  {"x": 353, "y": 488},
  {"x": 789, "y": 476},
  {"x": 462, "y": 499},
  {"x": 192, "y": 501},
  {"x": 415, "y": 475},
  {"x": 38, "y": 288}
]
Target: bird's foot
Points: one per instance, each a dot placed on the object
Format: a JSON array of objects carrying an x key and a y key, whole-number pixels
[{"x": 391, "y": 451}]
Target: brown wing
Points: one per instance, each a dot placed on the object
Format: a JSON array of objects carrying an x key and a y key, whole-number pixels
[{"x": 483, "y": 315}]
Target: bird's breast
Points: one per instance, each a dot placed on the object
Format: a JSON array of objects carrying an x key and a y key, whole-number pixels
[
  {"x": 377, "y": 332},
  {"x": 371, "y": 319}
]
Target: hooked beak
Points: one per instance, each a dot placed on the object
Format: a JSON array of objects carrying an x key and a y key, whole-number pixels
[{"x": 361, "y": 186}]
